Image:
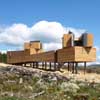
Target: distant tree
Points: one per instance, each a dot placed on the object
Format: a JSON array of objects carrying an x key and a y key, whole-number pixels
[{"x": 3, "y": 57}]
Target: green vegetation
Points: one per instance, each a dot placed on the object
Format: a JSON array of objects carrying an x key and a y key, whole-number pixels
[
  {"x": 3, "y": 57},
  {"x": 18, "y": 87},
  {"x": 11, "y": 98}
]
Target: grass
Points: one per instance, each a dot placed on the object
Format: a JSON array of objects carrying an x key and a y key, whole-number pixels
[
  {"x": 94, "y": 92},
  {"x": 52, "y": 91},
  {"x": 11, "y": 98}
]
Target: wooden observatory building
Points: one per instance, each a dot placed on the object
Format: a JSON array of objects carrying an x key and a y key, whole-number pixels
[{"x": 74, "y": 50}]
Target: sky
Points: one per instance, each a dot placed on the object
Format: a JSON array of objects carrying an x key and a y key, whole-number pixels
[{"x": 47, "y": 20}]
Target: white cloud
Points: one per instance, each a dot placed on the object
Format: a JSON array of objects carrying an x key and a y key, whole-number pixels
[
  {"x": 98, "y": 60},
  {"x": 48, "y": 32},
  {"x": 99, "y": 57},
  {"x": 15, "y": 34},
  {"x": 97, "y": 48},
  {"x": 52, "y": 46},
  {"x": 3, "y": 51}
]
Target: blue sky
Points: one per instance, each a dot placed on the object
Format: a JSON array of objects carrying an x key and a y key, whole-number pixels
[
  {"x": 73, "y": 13},
  {"x": 78, "y": 14}
]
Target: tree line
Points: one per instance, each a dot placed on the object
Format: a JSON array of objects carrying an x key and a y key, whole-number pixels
[{"x": 3, "y": 57}]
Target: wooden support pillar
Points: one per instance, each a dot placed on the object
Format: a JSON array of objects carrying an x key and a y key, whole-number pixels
[
  {"x": 33, "y": 65},
  {"x": 59, "y": 66},
  {"x": 73, "y": 68},
  {"x": 50, "y": 65},
  {"x": 84, "y": 67},
  {"x": 24, "y": 64},
  {"x": 45, "y": 65},
  {"x": 55, "y": 66},
  {"x": 42, "y": 65},
  {"x": 36, "y": 64},
  {"x": 68, "y": 66},
  {"x": 76, "y": 67}
]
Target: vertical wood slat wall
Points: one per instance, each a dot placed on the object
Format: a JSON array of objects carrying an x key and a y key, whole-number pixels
[
  {"x": 85, "y": 54},
  {"x": 22, "y": 56},
  {"x": 76, "y": 54},
  {"x": 72, "y": 54},
  {"x": 87, "y": 40},
  {"x": 66, "y": 40}
]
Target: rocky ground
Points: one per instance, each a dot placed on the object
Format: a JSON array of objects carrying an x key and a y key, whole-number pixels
[{"x": 21, "y": 83}]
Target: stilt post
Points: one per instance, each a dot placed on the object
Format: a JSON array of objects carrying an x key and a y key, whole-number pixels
[{"x": 84, "y": 67}]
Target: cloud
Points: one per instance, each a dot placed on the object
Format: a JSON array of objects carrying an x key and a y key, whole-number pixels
[
  {"x": 97, "y": 48},
  {"x": 98, "y": 60},
  {"x": 51, "y": 46},
  {"x": 50, "y": 33},
  {"x": 15, "y": 34}
]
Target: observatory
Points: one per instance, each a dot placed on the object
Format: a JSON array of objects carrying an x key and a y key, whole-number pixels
[{"x": 73, "y": 51}]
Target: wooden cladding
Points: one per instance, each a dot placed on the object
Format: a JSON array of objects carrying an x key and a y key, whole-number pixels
[
  {"x": 65, "y": 55},
  {"x": 67, "y": 40},
  {"x": 87, "y": 40},
  {"x": 35, "y": 51},
  {"x": 76, "y": 54},
  {"x": 33, "y": 44},
  {"x": 22, "y": 57},
  {"x": 16, "y": 56},
  {"x": 42, "y": 57},
  {"x": 73, "y": 50},
  {"x": 36, "y": 45},
  {"x": 69, "y": 54},
  {"x": 33, "y": 47},
  {"x": 85, "y": 54},
  {"x": 26, "y": 46}
]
